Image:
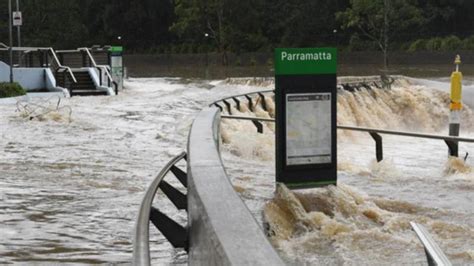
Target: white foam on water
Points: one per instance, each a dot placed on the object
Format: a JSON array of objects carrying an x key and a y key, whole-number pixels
[
  {"x": 365, "y": 220},
  {"x": 70, "y": 190}
]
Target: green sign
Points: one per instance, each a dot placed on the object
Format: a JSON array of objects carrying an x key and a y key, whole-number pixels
[
  {"x": 305, "y": 61},
  {"x": 116, "y": 49}
]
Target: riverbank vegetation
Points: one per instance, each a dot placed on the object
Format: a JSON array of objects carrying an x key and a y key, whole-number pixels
[{"x": 189, "y": 26}]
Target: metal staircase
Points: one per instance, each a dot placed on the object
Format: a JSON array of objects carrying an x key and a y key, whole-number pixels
[
  {"x": 80, "y": 60},
  {"x": 85, "y": 85}
]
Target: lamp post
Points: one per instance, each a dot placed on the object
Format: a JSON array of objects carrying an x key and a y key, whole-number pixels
[
  {"x": 10, "y": 49},
  {"x": 18, "y": 27},
  {"x": 206, "y": 36}
]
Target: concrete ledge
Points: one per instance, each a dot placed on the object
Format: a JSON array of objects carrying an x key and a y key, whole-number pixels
[
  {"x": 13, "y": 100},
  {"x": 222, "y": 229}
]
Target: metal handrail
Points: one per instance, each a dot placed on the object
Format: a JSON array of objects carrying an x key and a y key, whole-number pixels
[
  {"x": 451, "y": 141},
  {"x": 141, "y": 247},
  {"x": 58, "y": 63},
  {"x": 367, "y": 129},
  {"x": 240, "y": 95},
  {"x": 407, "y": 134},
  {"x": 50, "y": 50},
  {"x": 340, "y": 84},
  {"x": 217, "y": 236},
  {"x": 434, "y": 254},
  {"x": 248, "y": 118}
]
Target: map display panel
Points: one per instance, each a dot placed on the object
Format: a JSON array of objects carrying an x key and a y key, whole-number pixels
[{"x": 308, "y": 128}]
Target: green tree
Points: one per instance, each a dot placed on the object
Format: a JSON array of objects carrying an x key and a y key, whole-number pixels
[
  {"x": 224, "y": 24},
  {"x": 201, "y": 21},
  {"x": 53, "y": 23},
  {"x": 381, "y": 20}
]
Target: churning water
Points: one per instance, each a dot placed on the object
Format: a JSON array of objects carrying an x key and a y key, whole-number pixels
[
  {"x": 71, "y": 182},
  {"x": 365, "y": 219}
]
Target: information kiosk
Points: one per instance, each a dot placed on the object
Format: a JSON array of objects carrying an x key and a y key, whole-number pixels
[
  {"x": 116, "y": 64},
  {"x": 305, "y": 97}
]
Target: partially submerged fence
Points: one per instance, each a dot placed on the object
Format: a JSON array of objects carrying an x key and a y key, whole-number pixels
[
  {"x": 259, "y": 97},
  {"x": 221, "y": 230}
]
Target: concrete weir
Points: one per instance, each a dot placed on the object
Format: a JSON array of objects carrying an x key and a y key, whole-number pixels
[{"x": 222, "y": 231}]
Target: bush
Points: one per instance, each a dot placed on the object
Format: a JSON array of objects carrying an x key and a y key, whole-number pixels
[
  {"x": 238, "y": 61},
  {"x": 270, "y": 62},
  {"x": 356, "y": 43},
  {"x": 253, "y": 61},
  {"x": 451, "y": 43},
  {"x": 468, "y": 43},
  {"x": 434, "y": 44},
  {"x": 418, "y": 45},
  {"x": 11, "y": 90}
]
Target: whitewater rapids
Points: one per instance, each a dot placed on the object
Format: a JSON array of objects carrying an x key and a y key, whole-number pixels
[{"x": 365, "y": 219}]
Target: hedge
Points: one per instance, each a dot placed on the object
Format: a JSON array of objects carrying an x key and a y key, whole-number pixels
[{"x": 11, "y": 90}]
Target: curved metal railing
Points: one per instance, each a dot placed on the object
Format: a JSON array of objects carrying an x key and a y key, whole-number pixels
[
  {"x": 434, "y": 255},
  {"x": 141, "y": 248},
  {"x": 222, "y": 229},
  {"x": 239, "y": 96},
  {"x": 214, "y": 235},
  {"x": 451, "y": 141}
]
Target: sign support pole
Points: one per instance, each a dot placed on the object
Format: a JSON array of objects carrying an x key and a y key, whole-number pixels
[{"x": 10, "y": 21}]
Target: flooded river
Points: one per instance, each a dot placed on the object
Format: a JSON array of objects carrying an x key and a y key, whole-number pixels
[
  {"x": 365, "y": 219},
  {"x": 70, "y": 186},
  {"x": 70, "y": 189}
]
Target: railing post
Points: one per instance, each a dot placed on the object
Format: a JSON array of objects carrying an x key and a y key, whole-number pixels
[
  {"x": 378, "y": 146},
  {"x": 84, "y": 59},
  {"x": 176, "y": 234},
  {"x": 452, "y": 147},
  {"x": 100, "y": 76},
  {"x": 264, "y": 103},
  {"x": 249, "y": 99},
  {"x": 229, "y": 108},
  {"x": 237, "y": 101},
  {"x": 46, "y": 59},
  {"x": 259, "y": 126}
]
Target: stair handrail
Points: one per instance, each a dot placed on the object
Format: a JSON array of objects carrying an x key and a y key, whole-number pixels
[
  {"x": 141, "y": 247},
  {"x": 94, "y": 64},
  {"x": 60, "y": 66},
  {"x": 53, "y": 54}
]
